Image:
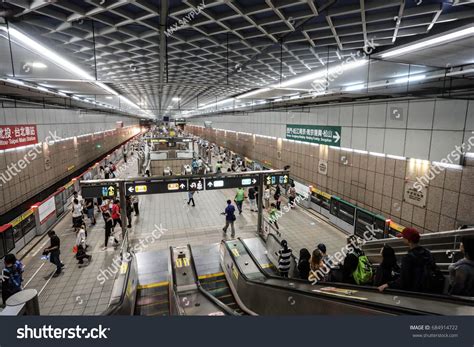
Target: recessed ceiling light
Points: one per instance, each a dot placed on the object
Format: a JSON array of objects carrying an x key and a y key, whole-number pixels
[{"x": 176, "y": 98}]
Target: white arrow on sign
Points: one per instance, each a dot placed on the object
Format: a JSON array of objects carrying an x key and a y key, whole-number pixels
[
  {"x": 131, "y": 189},
  {"x": 337, "y": 137},
  {"x": 254, "y": 181},
  {"x": 209, "y": 184},
  {"x": 182, "y": 186}
]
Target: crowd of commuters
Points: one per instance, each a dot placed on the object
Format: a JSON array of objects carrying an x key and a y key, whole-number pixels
[{"x": 416, "y": 271}]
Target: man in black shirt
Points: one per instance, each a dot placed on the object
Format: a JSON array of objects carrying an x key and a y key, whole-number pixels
[{"x": 54, "y": 252}]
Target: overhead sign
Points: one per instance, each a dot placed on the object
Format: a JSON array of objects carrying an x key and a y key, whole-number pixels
[
  {"x": 94, "y": 191},
  {"x": 321, "y": 134},
  {"x": 272, "y": 180},
  {"x": 12, "y": 136},
  {"x": 196, "y": 184},
  {"x": 156, "y": 187},
  {"x": 231, "y": 182}
]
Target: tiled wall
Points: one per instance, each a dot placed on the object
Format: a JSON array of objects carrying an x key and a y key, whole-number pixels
[
  {"x": 52, "y": 162},
  {"x": 373, "y": 182},
  {"x": 427, "y": 129}
]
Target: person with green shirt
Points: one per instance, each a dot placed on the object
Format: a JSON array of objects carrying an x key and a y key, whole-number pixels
[
  {"x": 273, "y": 215},
  {"x": 239, "y": 198}
]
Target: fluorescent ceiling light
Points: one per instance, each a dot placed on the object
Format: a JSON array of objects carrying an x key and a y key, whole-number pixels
[
  {"x": 109, "y": 97},
  {"x": 377, "y": 154},
  {"x": 322, "y": 73},
  {"x": 410, "y": 79},
  {"x": 355, "y": 87},
  {"x": 447, "y": 165},
  {"x": 432, "y": 42},
  {"x": 255, "y": 92},
  {"x": 396, "y": 157},
  {"x": 176, "y": 99},
  {"x": 43, "y": 89}
]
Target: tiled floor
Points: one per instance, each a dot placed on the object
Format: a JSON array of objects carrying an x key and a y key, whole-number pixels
[
  {"x": 164, "y": 221},
  {"x": 77, "y": 291}
]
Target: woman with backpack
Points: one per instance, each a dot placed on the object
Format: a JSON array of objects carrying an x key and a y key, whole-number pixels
[
  {"x": 388, "y": 269},
  {"x": 12, "y": 277}
]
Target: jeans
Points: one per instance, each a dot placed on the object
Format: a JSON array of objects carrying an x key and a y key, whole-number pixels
[
  {"x": 231, "y": 223},
  {"x": 239, "y": 205},
  {"x": 253, "y": 204},
  {"x": 54, "y": 258}
]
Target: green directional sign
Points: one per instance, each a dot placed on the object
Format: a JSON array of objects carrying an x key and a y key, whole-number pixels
[{"x": 322, "y": 134}]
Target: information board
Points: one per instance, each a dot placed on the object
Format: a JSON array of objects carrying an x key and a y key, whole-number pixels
[
  {"x": 321, "y": 134},
  {"x": 156, "y": 187},
  {"x": 231, "y": 182},
  {"x": 94, "y": 191}
]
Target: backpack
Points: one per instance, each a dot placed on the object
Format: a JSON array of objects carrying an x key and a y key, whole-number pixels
[
  {"x": 14, "y": 276},
  {"x": 431, "y": 279},
  {"x": 363, "y": 273}
]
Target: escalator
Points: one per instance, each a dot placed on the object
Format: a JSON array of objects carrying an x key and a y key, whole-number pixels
[
  {"x": 266, "y": 294},
  {"x": 153, "y": 300},
  {"x": 188, "y": 297},
  {"x": 218, "y": 287}
]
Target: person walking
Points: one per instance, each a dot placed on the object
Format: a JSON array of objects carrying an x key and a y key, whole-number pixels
[
  {"x": 191, "y": 197},
  {"x": 252, "y": 200},
  {"x": 76, "y": 214},
  {"x": 12, "y": 277},
  {"x": 109, "y": 225},
  {"x": 129, "y": 210},
  {"x": 54, "y": 251},
  {"x": 229, "y": 218},
  {"x": 284, "y": 258},
  {"x": 239, "y": 198},
  {"x": 273, "y": 216},
  {"x": 116, "y": 216},
  {"x": 89, "y": 202},
  {"x": 266, "y": 197},
  {"x": 292, "y": 195},
  {"x": 135, "y": 204}
]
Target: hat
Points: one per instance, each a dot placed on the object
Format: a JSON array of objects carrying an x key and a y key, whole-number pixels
[{"x": 410, "y": 234}]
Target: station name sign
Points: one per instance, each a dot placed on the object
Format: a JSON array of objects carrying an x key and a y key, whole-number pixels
[{"x": 321, "y": 134}]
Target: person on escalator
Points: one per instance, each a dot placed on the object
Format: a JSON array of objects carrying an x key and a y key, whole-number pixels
[
  {"x": 303, "y": 264},
  {"x": 351, "y": 261},
  {"x": 461, "y": 273},
  {"x": 419, "y": 272},
  {"x": 319, "y": 271},
  {"x": 284, "y": 259},
  {"x": 388, "y": 269}
]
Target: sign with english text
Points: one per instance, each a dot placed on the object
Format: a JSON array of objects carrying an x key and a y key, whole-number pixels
[{"x": 12, "y": 136}]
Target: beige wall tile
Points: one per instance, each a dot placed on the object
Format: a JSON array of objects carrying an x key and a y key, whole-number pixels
[
  {"x": 449, "y": 203},
  {"x": 400, "y": 167},
  {"x": 435, "y": 196},
  {"x": 432, "y": 221},
  {"x": 407, "y": 211},
  {"x": 387, "y": 185},
  {"x": 467, "y": 181},
  {"x": 453, "y": 180}
]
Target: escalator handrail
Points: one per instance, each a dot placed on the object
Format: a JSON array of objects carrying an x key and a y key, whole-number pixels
[
  {"x": 208, "y": 295},
  {"x": 375, "y": 305},
  {"x": 453, "y": 299},
  {"x": 174, "y": 287},
  {"x": 111, "y": 310}
]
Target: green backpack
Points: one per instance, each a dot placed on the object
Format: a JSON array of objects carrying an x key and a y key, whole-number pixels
[{"x": 363, "y": 274}]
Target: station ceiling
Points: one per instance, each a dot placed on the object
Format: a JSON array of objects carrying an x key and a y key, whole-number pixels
[{"x": 208, "y": 51}]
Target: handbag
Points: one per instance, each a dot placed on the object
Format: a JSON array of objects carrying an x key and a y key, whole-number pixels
[{"x": 74, "y": 249}]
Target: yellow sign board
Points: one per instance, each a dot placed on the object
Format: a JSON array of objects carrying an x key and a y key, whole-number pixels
[
  {"x": 173, "y": 186},
  {"x": 141, "y": 189},
  {"x": 320, "y": 192},
  {"x": 21, "y": 218}
]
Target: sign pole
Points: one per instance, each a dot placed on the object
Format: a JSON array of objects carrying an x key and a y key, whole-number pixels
[
  {"x": 260, "y": 203},
  {"x": 123, "y": 207}
]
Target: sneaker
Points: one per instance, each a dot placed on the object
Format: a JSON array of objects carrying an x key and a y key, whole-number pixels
[
  {"x": 62, "y": 265},
  {"x": 56, "y": 274}
]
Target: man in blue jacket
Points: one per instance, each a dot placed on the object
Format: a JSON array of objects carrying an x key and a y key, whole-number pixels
[{"x": 229, "y": 218}]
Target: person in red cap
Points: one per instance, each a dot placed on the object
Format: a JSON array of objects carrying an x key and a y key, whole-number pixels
[{"x": 418, "y": 266}]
